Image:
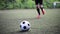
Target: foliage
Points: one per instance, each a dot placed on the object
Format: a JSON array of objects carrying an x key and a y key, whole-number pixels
[{"x": 15, "y": 4}]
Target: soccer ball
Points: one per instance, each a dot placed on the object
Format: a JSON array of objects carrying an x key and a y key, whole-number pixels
[{"x": 24, "y": 26}]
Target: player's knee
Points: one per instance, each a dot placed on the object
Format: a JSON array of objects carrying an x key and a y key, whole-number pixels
[
  {"x": 37, "y": 6},
  {"x": 41, "y": 6}
]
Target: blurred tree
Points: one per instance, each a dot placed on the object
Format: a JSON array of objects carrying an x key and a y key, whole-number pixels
[{"x": 13, "y": 4}]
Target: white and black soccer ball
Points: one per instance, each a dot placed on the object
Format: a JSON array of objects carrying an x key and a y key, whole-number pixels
[{"x": 25, "y": 26}]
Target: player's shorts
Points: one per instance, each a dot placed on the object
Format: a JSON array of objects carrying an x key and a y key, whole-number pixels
[{"x": 38, "y": 2}]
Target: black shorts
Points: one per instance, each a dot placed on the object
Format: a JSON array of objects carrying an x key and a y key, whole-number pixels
[{"x": 38, "y": 2}]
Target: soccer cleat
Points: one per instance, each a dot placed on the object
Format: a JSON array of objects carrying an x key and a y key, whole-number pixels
[
  {"x": 43, "y": 11},
  {"x": 38, "y": 16}
]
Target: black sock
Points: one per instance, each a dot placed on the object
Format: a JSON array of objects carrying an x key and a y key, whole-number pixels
[
  {"x": 41, "y": 8},
  {"x": 38, "y": 10}
]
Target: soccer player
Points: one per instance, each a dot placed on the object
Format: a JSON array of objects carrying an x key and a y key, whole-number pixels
[{"x": 39, "y": 5}]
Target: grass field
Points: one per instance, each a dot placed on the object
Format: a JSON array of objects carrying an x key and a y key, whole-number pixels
[{"x": 47, "y": 24}]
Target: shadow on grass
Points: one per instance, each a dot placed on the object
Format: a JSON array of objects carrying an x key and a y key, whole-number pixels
[{"x": 19, "y": 32}]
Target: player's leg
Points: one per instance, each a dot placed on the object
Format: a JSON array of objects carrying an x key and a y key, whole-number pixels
[
  {"x": 43, "y": 11},
  {"x": 37, "y": 8},
  {"x": 41, "y": 6}
]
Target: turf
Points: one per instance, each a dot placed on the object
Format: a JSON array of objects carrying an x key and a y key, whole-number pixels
[{"x": 47, "y": 24}]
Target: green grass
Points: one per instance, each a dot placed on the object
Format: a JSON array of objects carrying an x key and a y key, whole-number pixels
[{"x": 47, "y": 24}]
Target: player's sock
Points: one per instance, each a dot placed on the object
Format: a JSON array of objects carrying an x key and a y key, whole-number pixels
[
  {"x": 38, "y": 10},
  {"x": 43, "y": 11}
]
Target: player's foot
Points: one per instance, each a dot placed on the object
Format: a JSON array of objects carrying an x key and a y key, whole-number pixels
[
  {"x": 43, "y": 11},
  {"x": 38, "y": 16}
]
